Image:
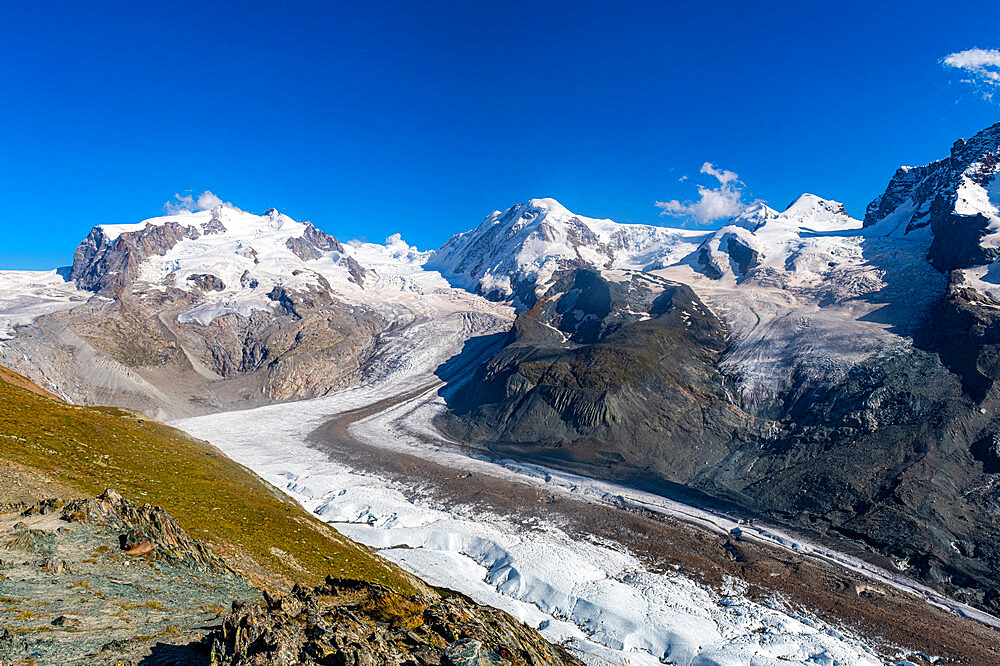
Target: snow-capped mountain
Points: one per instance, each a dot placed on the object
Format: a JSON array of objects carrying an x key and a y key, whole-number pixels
[
  {"x": 233, "y": 258},
  {"x": 956, "y": 202},
  {"x": 965, "y": 182},
  {"x": 512, "y": 251},
  {"x": 800, "y": 244},
  {"x": 214, "y": 309},
  {"x": 515, "y": 254}
]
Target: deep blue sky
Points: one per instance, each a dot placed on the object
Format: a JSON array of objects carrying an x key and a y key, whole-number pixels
[{"x": 421, "y": 118}]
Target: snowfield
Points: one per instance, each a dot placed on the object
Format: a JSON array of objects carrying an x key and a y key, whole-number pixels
[{"x": 27, "y": 295}]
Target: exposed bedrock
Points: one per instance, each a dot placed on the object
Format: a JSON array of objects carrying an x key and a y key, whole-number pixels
[{"x": 133, "y": 352}]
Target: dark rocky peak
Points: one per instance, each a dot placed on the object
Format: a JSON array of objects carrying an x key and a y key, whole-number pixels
[
  {"x": 731, "y": 250},
  {"x": 300, "y": 303},
  {"x": 313, "y": 244},
  {"x": 958, "y": 238},
  {"x": 102, "y": 263},
  {"x": 214, "y": 225},
  {"x": 910, "y": 194}
]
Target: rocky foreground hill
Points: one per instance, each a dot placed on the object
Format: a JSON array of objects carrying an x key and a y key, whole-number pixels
[{"x": 219, "y": 579}]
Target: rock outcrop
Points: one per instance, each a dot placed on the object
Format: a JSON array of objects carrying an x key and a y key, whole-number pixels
[
  {"x": 104, "y": 580},
  {"x": 104, "y": 264},
  {"x": 906, "y": 204},
  {"x": 350, "y": 622}
]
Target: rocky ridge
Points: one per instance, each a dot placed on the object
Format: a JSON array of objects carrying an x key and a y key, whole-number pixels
[{"x": 351, "y": 622}]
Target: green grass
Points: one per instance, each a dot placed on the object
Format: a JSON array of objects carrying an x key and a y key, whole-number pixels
[{"x": 260, "y": 532}]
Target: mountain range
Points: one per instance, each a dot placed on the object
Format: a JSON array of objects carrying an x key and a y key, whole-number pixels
[{"x": 834, "y": 374}]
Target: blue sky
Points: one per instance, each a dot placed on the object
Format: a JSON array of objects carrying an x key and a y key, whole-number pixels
[{"x": 421, "y": 118}]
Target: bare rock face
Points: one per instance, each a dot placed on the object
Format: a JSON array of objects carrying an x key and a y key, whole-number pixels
[
  {"x": 313, "y": 244},
  {"x": 958, "y": 239},
  {"x": 100, "y": 264},
  {"x": 207, "y": 282},
  {"x": 913, "y": 190},
  {"x": 133, "y": 352},
  {"x": 352, "y": 622}
]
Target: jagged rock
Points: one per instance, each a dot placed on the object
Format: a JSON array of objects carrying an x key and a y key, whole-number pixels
[
  {"x": 30, "y": 540},
  {"x": 913, "y": 191},
  {"x": 471, "y": 652},
  {"x": 101, "y": 263},
  {"x": 55, "y": 565},
  {"x": 353, "y": 622},
  {"x": 957, "y": 238},
  {"x": 144, "y": 530},
  {"x": 207, "y": 282}
]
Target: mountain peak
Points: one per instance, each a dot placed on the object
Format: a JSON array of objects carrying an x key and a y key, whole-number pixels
[
  {"x": 754, "y": 217},
  {"x": 239, "y": 255},
  {"x": 548, "y": 205},
  {"x": 965, "y": 182},
  {"x": 807, "y": 203}
]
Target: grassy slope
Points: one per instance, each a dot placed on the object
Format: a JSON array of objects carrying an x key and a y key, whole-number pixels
[{"x": 259, "y": 531}]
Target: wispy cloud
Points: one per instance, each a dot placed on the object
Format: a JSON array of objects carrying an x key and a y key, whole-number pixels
[
  {"x": 713, "y": 203},
  {"x": 981, "y": 67},
  {"x": 187, "y": 203}
]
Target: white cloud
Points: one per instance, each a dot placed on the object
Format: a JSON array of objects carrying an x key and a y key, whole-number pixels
[
  {"x": 188, "y": 203},
  {"x": 714, "y": 203},
  {"x": 981, "y": 66},
  {"x": 721, "y": 175}
]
